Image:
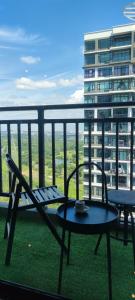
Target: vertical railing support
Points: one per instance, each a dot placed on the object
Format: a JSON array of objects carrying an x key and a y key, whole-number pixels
[{"x": 41, "y": 157}]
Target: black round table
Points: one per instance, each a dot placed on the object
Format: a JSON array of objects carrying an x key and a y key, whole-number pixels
[{"x": 99, "y": 219}]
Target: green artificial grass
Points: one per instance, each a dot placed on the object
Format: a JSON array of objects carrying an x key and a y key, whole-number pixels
[{"x": 35, "y": 262}]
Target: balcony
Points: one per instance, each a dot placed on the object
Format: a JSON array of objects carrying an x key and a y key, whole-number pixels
[{"x": 47, "y": 149}]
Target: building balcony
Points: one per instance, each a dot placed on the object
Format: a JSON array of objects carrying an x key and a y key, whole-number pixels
[{"x": 47, "y": 148}]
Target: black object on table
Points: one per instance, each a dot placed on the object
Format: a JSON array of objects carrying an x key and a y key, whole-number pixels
[
  {"x": 99, "y": 219},
  {"x": 124, "y": 200}
]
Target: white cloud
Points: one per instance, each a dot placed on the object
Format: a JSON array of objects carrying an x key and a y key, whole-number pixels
[
  {"x": 76, "y": 97},
  {"x": 30, "y": 59},
  {"x": 17, "y": 35},
  {"x": 70, "y": 82},
  {"x": 29, "y": 84}
]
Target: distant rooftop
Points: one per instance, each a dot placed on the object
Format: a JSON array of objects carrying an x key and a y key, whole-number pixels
[{"x": 107, "y": 32}]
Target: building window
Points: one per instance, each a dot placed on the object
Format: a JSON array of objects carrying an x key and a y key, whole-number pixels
[
  {"x": 122, "y": 84},
  {"x": 104, "y": 57},
  {"x": 89, "y": 114},
  {"x": 89, "y": 59},
  {"x": 99, "y": 153},
  {"x": 104, "y": 113},
  {"x": 122, "y": 181},
  {"x": 104, "y": 85},
  {"x": 103, "y": 43},
  {"x": 88, "y": 73},
  {"x": 120, "y": 112},
  {"x": 107, "y": 126},
  {"x": 103, "y": 72},
  {"x": 121, "y": 55},
  {"x": 89, "y": 45},
  {"x": 123, "y": 155},
  {"x": 133, "y": 69},
  {"x": 89, "y": 86},
  {"x": 89, "y": 99},
  {"x": 121, "y": 40},
  {"x": 98, "y": 191},
  {"x": 121, "y": 70},
  {"x": 86, "y": 152},
  {"x": 86, "y": 178},
  {"x": 104, "y": 98},
  {"x": 120, "y": 98}
]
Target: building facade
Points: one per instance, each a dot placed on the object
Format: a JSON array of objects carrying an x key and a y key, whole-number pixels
[{"x": 109, "y": 77}]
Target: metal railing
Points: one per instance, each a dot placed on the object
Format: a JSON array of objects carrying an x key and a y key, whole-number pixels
[{"x": 8, "y": 134}]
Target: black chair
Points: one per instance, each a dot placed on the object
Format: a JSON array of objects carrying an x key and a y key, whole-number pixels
[
  {"x": 18, "y": 200},
  {"x": 104, "y": 192},
  {"x": 124, "y": 200}
]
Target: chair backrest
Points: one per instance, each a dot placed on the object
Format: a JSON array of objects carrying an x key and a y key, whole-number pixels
[
  {"x": 90, "y": 165},
  {"x": 21, "y": 180}
]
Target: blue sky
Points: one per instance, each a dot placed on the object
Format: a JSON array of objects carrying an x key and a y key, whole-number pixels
[{"x": 41, "y": 47}]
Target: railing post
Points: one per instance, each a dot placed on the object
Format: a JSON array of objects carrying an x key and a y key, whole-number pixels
[{"x": 41, "y": 158}]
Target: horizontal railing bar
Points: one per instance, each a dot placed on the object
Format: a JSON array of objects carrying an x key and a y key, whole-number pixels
[
  {"x": 71, "y": 120},
  {"x": 27, "y": 121},
  {"x": 84, "y": 120},
  {"x": 66, "y": 106}
]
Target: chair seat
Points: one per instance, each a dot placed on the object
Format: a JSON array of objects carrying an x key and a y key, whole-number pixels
[
  {"x": 44, "y": 196},
  {"x": 122, "y": 197}
]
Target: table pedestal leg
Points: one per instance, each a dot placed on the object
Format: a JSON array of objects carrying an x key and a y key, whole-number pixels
[
  {"x": 109, "y": 265},
  {"x": 61, "y": 262}
]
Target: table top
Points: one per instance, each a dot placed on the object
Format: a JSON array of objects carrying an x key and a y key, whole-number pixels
[
  {"x": 99, "y": 218},
  {"x": 122, "y": 197}
]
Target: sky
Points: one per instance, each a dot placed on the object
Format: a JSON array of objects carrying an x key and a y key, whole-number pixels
[{"x": 41, "y": 47}]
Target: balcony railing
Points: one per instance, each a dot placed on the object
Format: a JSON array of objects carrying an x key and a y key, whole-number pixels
[{"x": 26, "y": 139}]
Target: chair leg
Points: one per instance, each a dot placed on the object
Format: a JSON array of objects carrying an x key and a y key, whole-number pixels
[
  {"x": 11, "y": 238},
  {"x": 69, "y": 246},
  {"x": 97, "y": 245},
  {"x": 8, "y": 217},
  {"x": 61, "y": 262},
  {"x": 109, "y": 265},
  {"x": 133, "y": 237},
  {"x": 126, "y": 213}
]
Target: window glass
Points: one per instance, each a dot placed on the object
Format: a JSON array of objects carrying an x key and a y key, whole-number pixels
[
  {"x": 121, "y": 40},
  {"x": 89, "y": 45},
  {"x": 104, "y": 57},
  {"x": 98, "y": 191},
  {"x": 120, "y": 112},
  {"x": 89, "y": 99},
  {"x": 89, "y": 59},
  {"x": 133, "y": 68},
  {"x": 103, "y": 43},
  {"x": 121, "y": 84},
  {"x": 89, "y": 73},
  {"x": 104, "y": 85},
  {"x": 89, "y": 86},
  {"x": 86, "y": 152},
  {"x": 104, "y": 98},
  {"x": 104, "y": 113},
  {"x": 121, "y": 70},
  {"x": 120, "y": 98},
  {"x": 104, "y": 72},
  {"x": 133, "y": 112},
  {"x": 121, "y": 55},
  {"x": 123, "y": 154},
  {"x": 107, "y": 126},
  {"x": 89, "y": 114}
]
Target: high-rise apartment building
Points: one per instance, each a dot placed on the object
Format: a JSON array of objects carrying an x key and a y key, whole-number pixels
[{"x": 109, "y": 77}]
